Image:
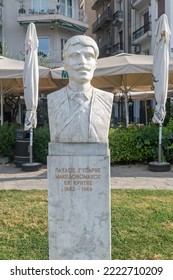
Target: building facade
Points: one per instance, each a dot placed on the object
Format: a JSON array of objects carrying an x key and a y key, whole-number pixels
[
  {"x": 112, "y": 26},
  {"x": 55, "y": 20},
  {"x": 128, "y": 26},
  {"x": 118, "y": 26}
]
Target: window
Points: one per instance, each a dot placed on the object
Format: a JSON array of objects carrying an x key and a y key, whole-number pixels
[
  {"x": 161, "y": 7},
  {"x": 108, "y": 37},
  {"x": 40, "y": 6},
  {"x": 63, "y": 41},
  {"x": 66, "y": 7},
  {"x": 121, "y": 37},
  {"x": 146, "y": 21},
  {"x": 43, "y": 49}
]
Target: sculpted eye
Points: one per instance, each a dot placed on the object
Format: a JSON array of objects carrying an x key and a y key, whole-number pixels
[
  {"x": 74, "y": 55},
  {"x": 89, "y": 56}
]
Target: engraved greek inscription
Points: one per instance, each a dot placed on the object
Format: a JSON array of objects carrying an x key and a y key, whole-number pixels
[
  {"x": 65, "y": 170},
  {"x": 87, "y": 189},
  {"x": 78, "y": 178},
  {"x": 70, "y": 189},
  {"x": 83, "y": 189},
  {"x": 67, "y": 182},
  {"x": 82, "y": 183},
  {"x": 89, "y": 170}
]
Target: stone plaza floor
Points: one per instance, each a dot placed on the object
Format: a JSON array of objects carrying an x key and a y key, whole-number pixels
[{"x": 122, "y": 177}]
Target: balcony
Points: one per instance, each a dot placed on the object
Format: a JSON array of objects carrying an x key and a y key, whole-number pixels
[
  {"x": 118, "y": 48},
  {"x": 104, "y": 19},
  {"x": 105, "y": 49},
  {"x": 118, "y": 18},
  {"x": 137, "y": 4},
  {"x": 141, "y": 34},
  {"x": 98, "y": 3},
  {"x": 58, "y": 14}
]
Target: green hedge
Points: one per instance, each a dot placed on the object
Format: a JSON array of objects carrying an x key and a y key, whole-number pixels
[
  {"x": 7, "y": 140},
  {"x": 41, "y": 140},
  {"x": 140, "y": 144},
  {"x": 127, "y": 145}
]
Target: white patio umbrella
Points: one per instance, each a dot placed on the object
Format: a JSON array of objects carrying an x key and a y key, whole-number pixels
[
  {"x": 161, "y": 72},
  {"x": 120, "y": 73},
  {"x": 31, "y": 81}
]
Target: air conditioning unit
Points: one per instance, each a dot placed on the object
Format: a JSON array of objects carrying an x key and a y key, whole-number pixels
[{"x": 137, "y": 49}]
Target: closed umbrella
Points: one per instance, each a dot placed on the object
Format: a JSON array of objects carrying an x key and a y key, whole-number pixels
[
  {"x": 31, "y": 81},
  {"x": 161, "y": 73}
]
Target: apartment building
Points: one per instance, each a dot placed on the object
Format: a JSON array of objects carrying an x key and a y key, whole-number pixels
[
  {"x": 144, "y": 19},
  {"x": 1, "y": 10},
  {"x": 55, "y": 20},
  {"x": 112, "y": 26},
  {"x": 128, "y": 26},
  {"x": 144, "y": 16},
  {"x": 118, "y": 26}
]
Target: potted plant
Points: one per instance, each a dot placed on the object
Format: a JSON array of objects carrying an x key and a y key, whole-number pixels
[{"x": 21, "y": 9}]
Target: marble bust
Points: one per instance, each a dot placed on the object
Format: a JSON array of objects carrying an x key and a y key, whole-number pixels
[{"x": 79, "y": 112}]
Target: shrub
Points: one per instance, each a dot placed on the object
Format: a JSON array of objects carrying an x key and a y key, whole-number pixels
[
  {"x": 7, "y": 140},
  {"x": 127, "y": 145},
  {"x": 40, "y": 145},
  {"x": 140, "y": 144}
]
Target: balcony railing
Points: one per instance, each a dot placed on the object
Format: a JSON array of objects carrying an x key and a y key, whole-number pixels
[
  {"x": 117, "y": 17},
  {"x": 136, "y": 4},
  {"x": 106, "y": 16},
  {"x": 118, "y": 48},
  {"x": 97, "y": 3},
  {"x": 105, "y": 49},
  {"x": 141, "y": 31},
  {"x": 51, "y": 9}
]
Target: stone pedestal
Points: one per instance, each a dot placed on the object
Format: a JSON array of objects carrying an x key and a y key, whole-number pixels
[{"x": 79, "y": 201}]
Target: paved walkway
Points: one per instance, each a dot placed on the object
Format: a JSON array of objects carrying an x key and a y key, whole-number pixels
[{"x": 122, "y": 177}]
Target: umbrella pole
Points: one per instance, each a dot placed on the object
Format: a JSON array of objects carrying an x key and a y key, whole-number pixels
[
  {"x": 30, "y": 145},
  {"x": 146, "y": 115},
  {"x": 160, "y": 142},
  {"x": 126, "y": 110},
  {"x": 2, "y": 113}
]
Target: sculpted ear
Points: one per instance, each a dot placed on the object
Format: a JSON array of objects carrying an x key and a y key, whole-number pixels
[
  {"x": 64, "y": 64},
  {"x": 95, "y": 65}
]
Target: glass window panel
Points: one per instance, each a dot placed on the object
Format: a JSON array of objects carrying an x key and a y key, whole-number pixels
[
  {"x": 43, "y": 48},
  {"x": 40, "y": 5}
]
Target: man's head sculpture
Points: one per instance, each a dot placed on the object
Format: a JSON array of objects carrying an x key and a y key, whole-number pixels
[{"x": 80, "y": 55}]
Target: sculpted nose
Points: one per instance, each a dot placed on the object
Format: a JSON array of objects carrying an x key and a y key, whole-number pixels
[{"x": 83, "y": 60}]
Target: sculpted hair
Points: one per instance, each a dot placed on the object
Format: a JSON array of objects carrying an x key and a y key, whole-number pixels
[{"x": 83, "y": 40}]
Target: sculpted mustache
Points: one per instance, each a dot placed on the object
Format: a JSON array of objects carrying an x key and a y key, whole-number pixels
[{"x": 83, "y": 68}]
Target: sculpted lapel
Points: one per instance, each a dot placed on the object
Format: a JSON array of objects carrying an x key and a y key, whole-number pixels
[
  {"x": 60, "y": 117},
  {"x": 100, "y": 116}
]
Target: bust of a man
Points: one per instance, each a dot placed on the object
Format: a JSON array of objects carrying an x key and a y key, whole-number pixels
[{"x": 79, "y": 112}]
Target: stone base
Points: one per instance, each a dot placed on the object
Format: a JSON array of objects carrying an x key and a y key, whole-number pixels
[{"x": 79, "y": 202}]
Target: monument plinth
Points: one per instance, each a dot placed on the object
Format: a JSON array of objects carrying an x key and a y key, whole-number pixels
[{"x": 79, "y": 201}]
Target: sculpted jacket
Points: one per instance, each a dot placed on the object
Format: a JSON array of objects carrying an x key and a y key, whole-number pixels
[{"x": 61, "y": 118}]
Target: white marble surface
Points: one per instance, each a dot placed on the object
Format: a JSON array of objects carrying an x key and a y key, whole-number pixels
[
  {"x": 87, "y": 149},
  {"x": 79, "y": 205},
  {"x": 79, "y": 112}
]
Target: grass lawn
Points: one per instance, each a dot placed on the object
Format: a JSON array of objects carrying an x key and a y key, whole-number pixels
[{"x": 142, "y": 224}]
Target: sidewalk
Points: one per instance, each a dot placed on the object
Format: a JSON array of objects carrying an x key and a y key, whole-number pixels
[{"x": 122, "y": 177}]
